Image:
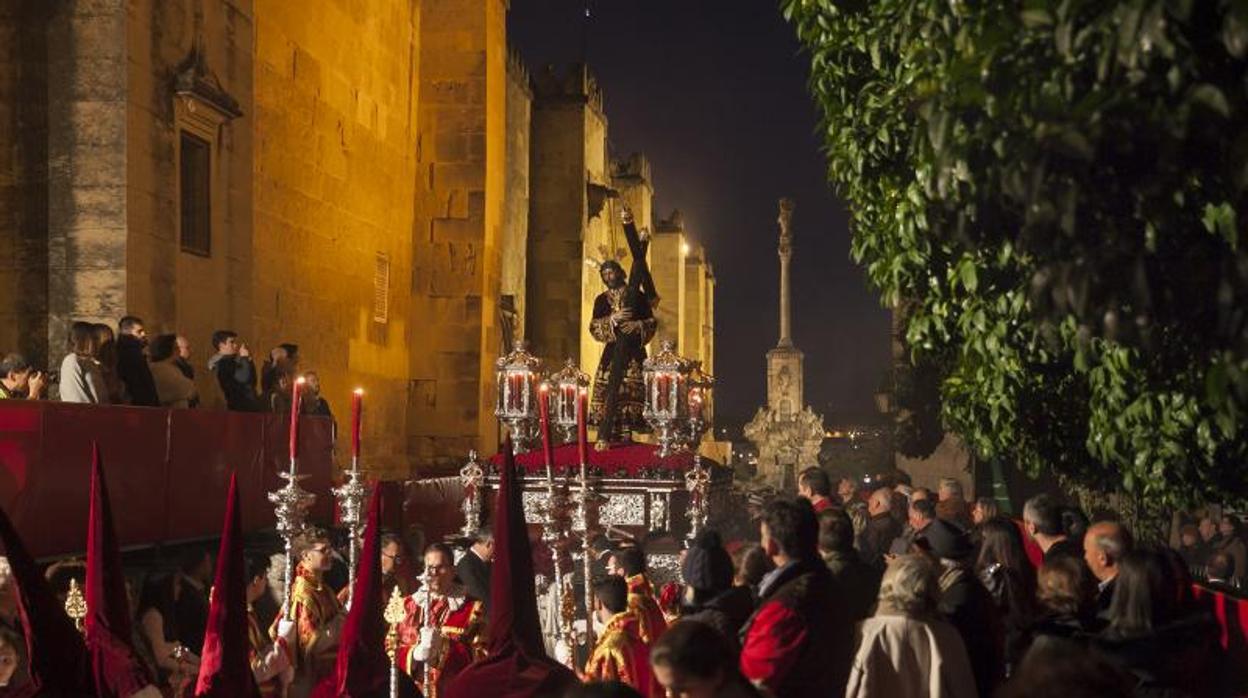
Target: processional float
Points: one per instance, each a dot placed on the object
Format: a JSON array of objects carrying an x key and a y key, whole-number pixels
[{"x": 572, "y": 492}]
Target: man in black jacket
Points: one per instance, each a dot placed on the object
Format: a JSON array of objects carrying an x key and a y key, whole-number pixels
[
  {"x": 235, "y": 372},
  {"x": 965, "y": 603},
  {"x": 473, "y": 568},
  {"x": 881, "y": 530},
  {"x": 132, "y": 366},
  {"x": 859, "y": 582}
]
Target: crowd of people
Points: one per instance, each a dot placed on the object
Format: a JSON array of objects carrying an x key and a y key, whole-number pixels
[
  {"x": 902, "y": 591},
  {"x": 893, "y": 592},
  {"x": 127, "y": 367}
]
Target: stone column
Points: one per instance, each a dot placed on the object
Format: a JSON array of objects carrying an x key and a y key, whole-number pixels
[{"x": 786, "y": 251}]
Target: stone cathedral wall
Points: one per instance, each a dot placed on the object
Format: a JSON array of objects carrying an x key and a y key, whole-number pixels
[{"x": 336, "y": 124}]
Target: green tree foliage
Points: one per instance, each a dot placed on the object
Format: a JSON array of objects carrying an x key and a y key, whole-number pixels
[{"x": 1057, "y": 190}]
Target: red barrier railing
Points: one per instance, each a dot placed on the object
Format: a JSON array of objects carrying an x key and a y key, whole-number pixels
[{"x": 167, "y": 470}]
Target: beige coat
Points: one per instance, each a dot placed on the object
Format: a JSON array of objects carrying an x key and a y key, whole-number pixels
[
  {"x": 905, "y": 658},
  {"x": 172, "y": 387}
]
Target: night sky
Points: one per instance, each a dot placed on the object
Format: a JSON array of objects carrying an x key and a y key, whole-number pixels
[{"x": 714, "y": 93}]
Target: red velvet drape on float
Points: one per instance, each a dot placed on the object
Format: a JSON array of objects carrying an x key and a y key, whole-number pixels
[
  {"x": 363, "y": 669},
  {"x": 56, "y": 656},
  {"x": 225, "y": 666},
  {"x": 117, "y": 669},
  {"x": 517, "y": 665}
]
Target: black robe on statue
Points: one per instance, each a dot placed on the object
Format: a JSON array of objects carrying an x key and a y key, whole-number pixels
[{"x": 632, "y": 389}]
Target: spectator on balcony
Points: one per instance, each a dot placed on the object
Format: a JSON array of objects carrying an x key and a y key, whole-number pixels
[
  {"x": 173, "y": 388},
  {"x": 132, "y": 364},
  {"x": 82, "y": 376},
  {"x": 283, "y": 356},
  {"x": 106, "y": 355},
  {"x": 20, "y": 380},
  {"x": 182, "y": 359},
  {"x": 235, "y": 372},
  {"x": 313, "y": 402},
  {"x": 280, "y": 396}
]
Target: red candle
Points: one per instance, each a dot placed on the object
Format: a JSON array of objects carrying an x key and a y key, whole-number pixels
[
  {"x": 357, "y": 406},
  {"x": 695, "y": 403},
  {"x": 543, "y": 403},
  {"x": 295, "y": 390},
  {"x": 582, "y": 429}
]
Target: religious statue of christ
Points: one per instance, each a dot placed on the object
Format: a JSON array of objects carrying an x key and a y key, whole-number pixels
[{"x": 624, "y": 322}]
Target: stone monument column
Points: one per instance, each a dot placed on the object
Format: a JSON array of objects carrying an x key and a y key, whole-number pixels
[
  {"x": 786, "y": 252},
  {"x": 787, "y": 433}
]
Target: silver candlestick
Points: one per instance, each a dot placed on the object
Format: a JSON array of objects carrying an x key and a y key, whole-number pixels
[
  {"x": 586, "y": 510},
  {"x": 290, "y": 506},
  {"x": 554, "y": 531},
  {"x": 351, "y": 495}
]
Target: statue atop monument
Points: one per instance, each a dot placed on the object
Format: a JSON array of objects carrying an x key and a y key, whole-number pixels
[{"x": 786, "y": 432}]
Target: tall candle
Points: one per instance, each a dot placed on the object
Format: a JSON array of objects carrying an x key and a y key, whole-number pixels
[
  {"x": 582, "y": 429},
  {"x": 296, "y": 390},
  {"x": 543, "y": 404},
  {"x": 357, "y": 406}
]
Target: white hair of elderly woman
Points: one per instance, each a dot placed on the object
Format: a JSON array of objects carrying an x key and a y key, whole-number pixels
[{"x": 910, "y": 588}]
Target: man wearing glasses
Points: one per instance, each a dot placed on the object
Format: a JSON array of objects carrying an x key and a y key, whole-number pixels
[
  {"x": 451, "y": 640},
  {"x": 312, "y": 628}
]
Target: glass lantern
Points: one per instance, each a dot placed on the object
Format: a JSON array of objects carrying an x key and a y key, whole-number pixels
[
  {"x": 666, "y": 395},
  {"x": 567, "y": 385},
  {"x": 517, "y": 375}
]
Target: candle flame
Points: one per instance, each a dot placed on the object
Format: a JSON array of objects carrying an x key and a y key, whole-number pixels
[
  {"x": 301, "y": 380},
  {"x": 359, "y": 391}
]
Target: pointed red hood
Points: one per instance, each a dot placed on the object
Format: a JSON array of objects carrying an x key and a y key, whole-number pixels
[
  {"x": 517, "y": 665},
  {"x": 117, "y": 669},
  {"x": 225, "y": 666},
  {"x": 363, "y": 668},
  {"x": 56, "y": 655}
]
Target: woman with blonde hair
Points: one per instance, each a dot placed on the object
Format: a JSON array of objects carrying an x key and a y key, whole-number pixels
[{"x": 907, "y": 651}]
